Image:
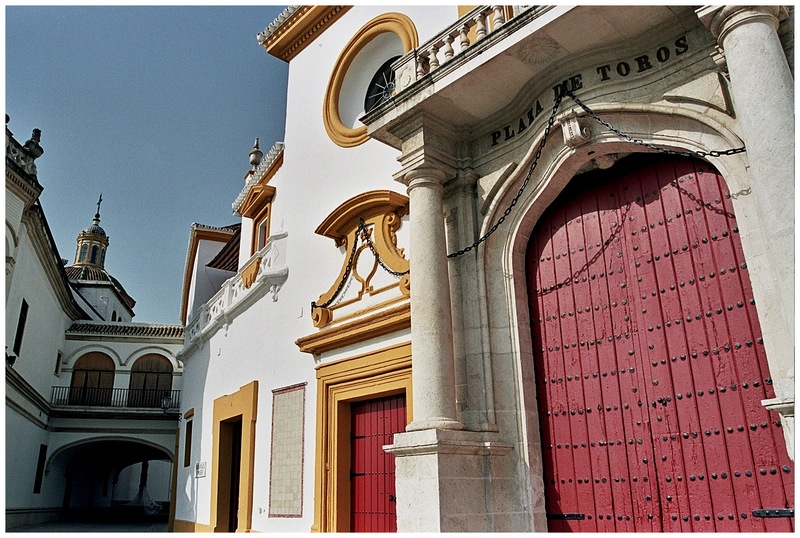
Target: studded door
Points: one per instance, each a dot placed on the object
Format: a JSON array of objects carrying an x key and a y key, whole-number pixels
[
  {"x": 650, "y": 367},
  {"x": 372, "y": 486}
]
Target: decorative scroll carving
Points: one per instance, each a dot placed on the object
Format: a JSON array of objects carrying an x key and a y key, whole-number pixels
[
  {"x": 372, "y": 250},
  {"x": 574, "y": 133}
]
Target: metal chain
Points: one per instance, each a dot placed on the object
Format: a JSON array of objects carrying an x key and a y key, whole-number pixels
[
  {"x": 386, "y": 268},
  {"x": 698, "y": 153},
  {"x": 360, "y": 232},
  {"x": 346, "y": 274},
  {"x": 566, "y": 91},
  {"x": 508, "y": 210}
]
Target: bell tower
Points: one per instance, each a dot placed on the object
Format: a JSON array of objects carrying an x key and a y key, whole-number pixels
[{"x": 92, "y": 243}]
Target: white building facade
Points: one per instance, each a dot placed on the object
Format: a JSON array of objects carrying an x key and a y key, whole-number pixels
[
  {"x": 86, "y": 434},
  {"x": 511, "y": 269}
]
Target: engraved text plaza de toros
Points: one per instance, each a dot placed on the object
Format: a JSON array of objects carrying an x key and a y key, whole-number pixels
[{"x": 603, "y": 73}]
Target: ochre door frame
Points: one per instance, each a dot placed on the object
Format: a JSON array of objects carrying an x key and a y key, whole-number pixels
[
  {"x": 242, "y": 403},
  {"x": 371, "y": 375}
]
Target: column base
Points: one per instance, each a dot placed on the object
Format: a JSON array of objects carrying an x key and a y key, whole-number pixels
[
  {"x": 435, "y": 423},
  {"x": 445, "y": 483}
]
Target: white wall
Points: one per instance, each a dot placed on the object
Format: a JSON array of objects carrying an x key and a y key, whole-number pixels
[{"x": 316, "y": 177}]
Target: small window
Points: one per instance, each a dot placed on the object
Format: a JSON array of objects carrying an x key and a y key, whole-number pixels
[
  {"x": 261, "y": 228},
  {"x": 23, "y": 318},
  {"x": 84, "y": 251},
  {"x": 58, "y": 364},
  {"x": 37, "y": 482},
  {"x": 263, "y": 232},
  {"x": 381, "y": 87},
  {"x": 114, "y": 315},
  {"x": 94, "y": 254},
  {"x": 187, "y": 445}
]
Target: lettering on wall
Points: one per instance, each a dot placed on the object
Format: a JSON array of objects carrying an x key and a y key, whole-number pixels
[{"x": 617, "y": 70}]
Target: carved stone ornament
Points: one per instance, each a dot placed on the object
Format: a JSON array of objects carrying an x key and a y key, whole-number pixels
[
  {"x": 575, "y": 134},
  {"x": 371, "y": 294}
]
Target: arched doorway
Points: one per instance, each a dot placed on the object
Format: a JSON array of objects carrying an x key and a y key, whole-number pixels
[
  {"x": 650, "y": 367},
  {"x": 92, "y": 380},
  {"x": 151, "y": 380}
]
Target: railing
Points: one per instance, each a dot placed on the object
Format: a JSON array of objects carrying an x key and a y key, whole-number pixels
[
  {"x": 237, "y": 291},
  {"x": 111, "y": 397},
  {"x": 469, "y": 31}
]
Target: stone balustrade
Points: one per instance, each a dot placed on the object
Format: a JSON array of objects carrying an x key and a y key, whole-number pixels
[
  {"x": 240, "y": 291},
  {"x": 462, "y": 36}
]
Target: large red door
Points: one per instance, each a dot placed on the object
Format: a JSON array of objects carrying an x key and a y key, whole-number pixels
[
  {"x": 372, "y": 488},
  {"x": 650, "y": 366}
]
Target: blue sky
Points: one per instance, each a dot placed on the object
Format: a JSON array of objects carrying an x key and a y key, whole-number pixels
[{"x": 155, "y": 107}]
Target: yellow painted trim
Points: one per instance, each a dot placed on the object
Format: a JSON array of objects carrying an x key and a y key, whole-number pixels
[
  {"x": 221, "y": 236},
  {"x": 190, "y": 526},
  {"x": 250, "y": 272},
  {"x": 189, "y": 413},
  {"x": 257, "y": 199},
  {"x": 344, "y": 219},
  {"x": 299, "y": 30},
  {"x": 396, "y": 23},
  {"x": 383, "y": 211},
  {"x": 344, "y": 334},
  {"x": 241, "y": 404},
  {"x": 371, "y": 375}
]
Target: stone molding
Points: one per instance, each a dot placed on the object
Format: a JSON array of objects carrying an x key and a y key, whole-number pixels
[
  {"x": 721, "y": 20},
  {"x": 440, "y": 441}
]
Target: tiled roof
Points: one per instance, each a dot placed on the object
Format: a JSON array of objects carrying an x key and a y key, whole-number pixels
[
  {"x": 127, "y": 329},
  {"x": 228, "y": 258},
  {"x": 86, "y": 273},
  {"x": 274, "y": 25}
]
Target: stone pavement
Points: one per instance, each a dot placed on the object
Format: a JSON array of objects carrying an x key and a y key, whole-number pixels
[{"x": 100, "y": 526}]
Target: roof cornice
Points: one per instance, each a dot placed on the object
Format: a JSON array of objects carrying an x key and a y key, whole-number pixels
[
  {"x": 296, "y": 28},
  {"x": 47, "y": 252}
]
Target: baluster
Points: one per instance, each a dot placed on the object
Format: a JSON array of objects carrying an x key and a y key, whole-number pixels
[
  {"x": 464, "y": 37},
  {"x": 421, "y": 71},
  {"x": 434, "y": 61},
  {"x": 447, "y": 50},
  {"x": 480, "y": 30},
  {"x": 498, "y": 17}
]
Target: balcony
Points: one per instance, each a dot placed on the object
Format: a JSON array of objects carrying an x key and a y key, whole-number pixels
[
  {"x": 265, "y": 272},
  {"x": 83, "y": 397}
]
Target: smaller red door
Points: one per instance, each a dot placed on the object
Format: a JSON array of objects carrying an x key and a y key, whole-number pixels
[{"x": 372, "y": 488}]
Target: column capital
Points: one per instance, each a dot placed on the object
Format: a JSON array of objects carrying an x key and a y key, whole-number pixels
[
  {"x": 428, "y": 149},
  {"x": 423, "y": 175},
  {"x": 720, "y": 20}
]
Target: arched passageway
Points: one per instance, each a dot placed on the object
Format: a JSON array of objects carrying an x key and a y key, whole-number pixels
[
  {"x": 114, "y": 479},
  {"x": 649, "y": 360}
]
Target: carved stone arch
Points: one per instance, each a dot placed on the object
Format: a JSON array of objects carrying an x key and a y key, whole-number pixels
[{"x": 562, "y": 159}]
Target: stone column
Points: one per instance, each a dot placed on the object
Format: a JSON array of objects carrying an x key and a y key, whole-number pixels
[
  {"x": 433, "y": 370},
  {"x": 762, "y": 88}
]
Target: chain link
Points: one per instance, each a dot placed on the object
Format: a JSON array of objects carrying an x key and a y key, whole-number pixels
[
  {"x": 697, "y": 153},
  {"x": 364, "y": 234},
  {"x": 566, "y": 91},
  {"x": 507, "y": 212}
]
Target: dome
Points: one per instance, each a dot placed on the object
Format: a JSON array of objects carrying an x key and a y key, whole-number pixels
[{"x": 95, "y": 227}]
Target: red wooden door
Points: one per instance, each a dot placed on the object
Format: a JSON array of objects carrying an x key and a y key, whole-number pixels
[
  {"x": 372, "y": 489},
  {"x": 650, "y": 366}
]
